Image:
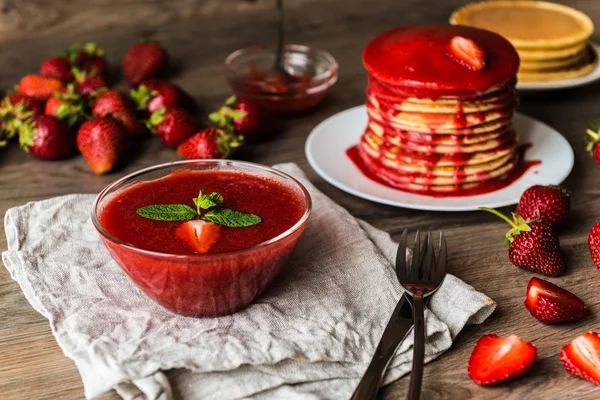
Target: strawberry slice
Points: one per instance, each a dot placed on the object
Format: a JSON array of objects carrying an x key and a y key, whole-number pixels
[
  {"x": 495, "y": 359},
  {"x": 198, "y": 235},
  {"x": 551, "y": 304},
  {"x": 467, "y": 52},
  {"x": 581, "y": 357}
]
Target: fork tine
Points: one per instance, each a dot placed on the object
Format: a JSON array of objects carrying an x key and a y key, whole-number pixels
[
  {"x": 401, "y": 257},
  {"x": 427, "y": 264},
  {"x": 416, "y": 257},
  {"x": 440, "y": 270}
]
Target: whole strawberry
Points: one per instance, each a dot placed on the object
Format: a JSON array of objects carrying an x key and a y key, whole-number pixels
[
  {"x": 67, "y": 105},
  {"x": 594, "y": 244},
  {"x": 594, "y": 138},
  {"x": 172, "y": 126},
  {"x": 89, "y": 58},
  {"x": 145, "y": 60},
  {"x": 46, "y": 137},
  {"x": 101, "y": 142},
  {"x": 110, "y": 101},
  {"x": 88, "y": 82},
  {"x": 57, "y": 67},
  {"x": 244, "y": 116},
  {"x": 14, "y": 110},
  {"x": 211, "y": 142},
  {"x": 28, "y": 103},
  {"x": 153, "y": 94},
  {"x": 551, "y": 304},
  {"x": 116, "y": 104},
  {"x": 39, "y": 87},
  {"x": 532, "y": 245},
  {"x": 548, "y": 204}
]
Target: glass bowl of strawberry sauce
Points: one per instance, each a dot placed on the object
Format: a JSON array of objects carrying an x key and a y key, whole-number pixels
[
  {"x": 202, "y": 237},
  {"x": 311, "y": 73}
]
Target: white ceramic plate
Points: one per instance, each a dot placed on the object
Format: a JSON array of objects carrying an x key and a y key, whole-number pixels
[
  {"x": 567, "y": 83},
  {"x": 326, "y": 152}
]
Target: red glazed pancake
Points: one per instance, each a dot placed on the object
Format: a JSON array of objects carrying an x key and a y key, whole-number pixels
[
  {"x": 439, "y": 112},
  {"x": 417, "y": 57}
]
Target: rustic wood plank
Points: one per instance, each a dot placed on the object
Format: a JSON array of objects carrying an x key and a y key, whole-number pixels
[{"x": 199, "y": 34}]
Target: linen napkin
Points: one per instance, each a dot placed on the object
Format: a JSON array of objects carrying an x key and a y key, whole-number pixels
[{"x": 310, "y": 335}]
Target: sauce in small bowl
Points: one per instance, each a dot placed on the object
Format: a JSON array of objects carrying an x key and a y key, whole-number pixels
[{"x": 312, "y": 73}]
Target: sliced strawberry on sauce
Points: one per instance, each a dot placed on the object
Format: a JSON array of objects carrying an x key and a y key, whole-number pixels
[
  {"x": 198, "y": 235},
  {"x": 581, "y": 357},
  {"x": 467, "y": 52},
  {"x": 551, "y": 304},
  {"x": 495, "y": 359}
]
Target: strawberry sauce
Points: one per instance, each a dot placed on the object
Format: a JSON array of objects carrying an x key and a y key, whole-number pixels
[
  {"x": 417, "y": 58},
  {"x": 488, "y": 186},
  {"x": 223, "y": 280},
  {"x": 278, "y": 206}
]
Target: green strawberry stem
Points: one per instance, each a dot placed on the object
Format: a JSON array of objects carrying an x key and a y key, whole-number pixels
[
  {"x": 231, "y": 101},
  {"x": 142, "y": 96},
  {"x": 518, "y": 224},
  {"x": 498, "y": 214},
  {"x": 156, "y": 118},
  {"x": 594, "y": 138}
]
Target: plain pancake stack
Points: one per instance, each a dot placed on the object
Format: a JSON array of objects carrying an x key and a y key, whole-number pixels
[
  {"x": 435, "y": 124},
  {"x": 551, "y": 39}
]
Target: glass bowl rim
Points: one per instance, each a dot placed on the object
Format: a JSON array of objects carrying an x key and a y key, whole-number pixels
[
  {"x": 232, "y": 163},
  {"x": 332, "y": 65}
]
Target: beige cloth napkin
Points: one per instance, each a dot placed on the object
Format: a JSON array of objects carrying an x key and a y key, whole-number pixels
[{"x": 309, "y": 336}]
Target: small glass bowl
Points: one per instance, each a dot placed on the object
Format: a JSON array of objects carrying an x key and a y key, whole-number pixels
[
  {"x": 209, "y": 284},
  {"x": 249, "y": 75}
]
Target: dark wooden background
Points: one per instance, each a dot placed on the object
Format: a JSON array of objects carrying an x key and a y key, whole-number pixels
[{"x": 199, "y": 34}]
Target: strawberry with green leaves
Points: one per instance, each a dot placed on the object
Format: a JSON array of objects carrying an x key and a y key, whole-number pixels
[
  {"x": 46, "y": 137},
  {"x": 209, "y": 143},
  {"x": 244, "y": 116},
  {"x": 173, "y": 126},
  {"x": 67, "y": 105},
  {"x": 201, "y": 228},
  {"x": 88, "y": 82},
  {"x": 101, "y": 142},
  {"x": 89, "y": 58},
  {"x": 14, "y": 111},
  {"x": 153, "y": 94},
  {"x": 144, "y": 60},
  {"x": 592, "y": 143},
  {"x": 532, "y": 245}
]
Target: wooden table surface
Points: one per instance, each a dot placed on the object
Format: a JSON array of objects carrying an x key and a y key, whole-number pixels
[{"x": 199, "y": 34}]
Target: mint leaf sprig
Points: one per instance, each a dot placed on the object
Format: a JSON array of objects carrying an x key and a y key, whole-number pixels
[{"x": 205, "y": 210}]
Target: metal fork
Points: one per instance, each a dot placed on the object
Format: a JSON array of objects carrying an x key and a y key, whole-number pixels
[{"x": 423, "y": 278}]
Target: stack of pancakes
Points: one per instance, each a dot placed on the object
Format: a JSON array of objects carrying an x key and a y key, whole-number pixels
[
  {"x": 551, "y": 39},
  {"x": 436, "y": 125}
]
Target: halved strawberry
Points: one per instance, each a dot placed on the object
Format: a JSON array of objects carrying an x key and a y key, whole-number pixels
[
  {"x": 467, "y": 52},
  {"x": 198, "y": 235},
  {"x": 495, "y": 359},
  {"x": 551, "y": 304},
  {"x": 581, "y": 357}
]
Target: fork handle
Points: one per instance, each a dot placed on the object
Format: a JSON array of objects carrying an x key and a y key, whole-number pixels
[
  {"x": 416, "y": 377},
  {"x": 395, "y": 332}
]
